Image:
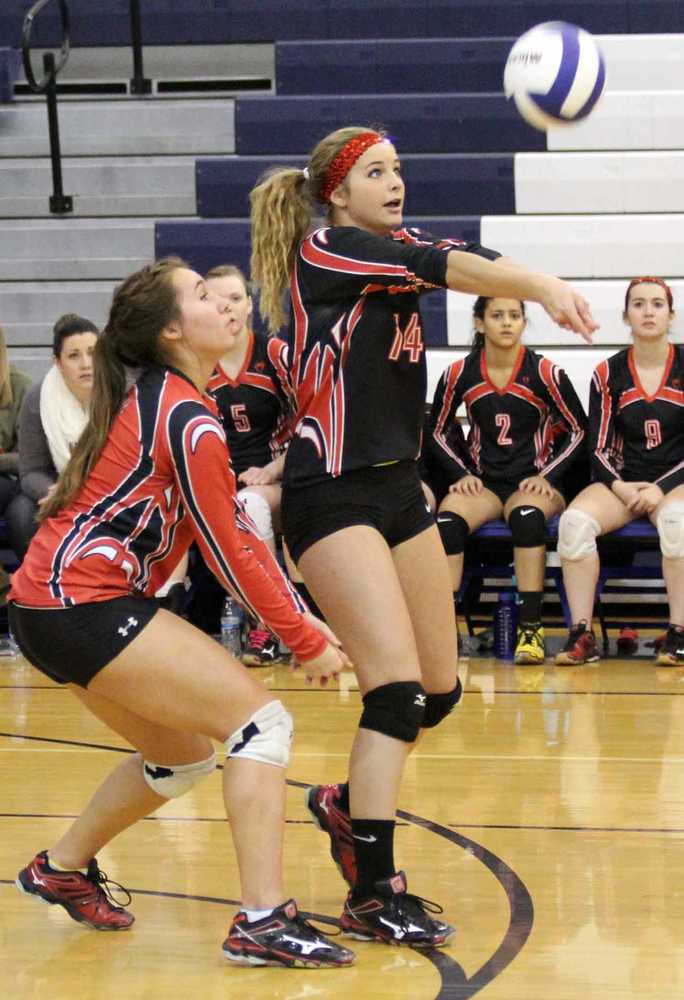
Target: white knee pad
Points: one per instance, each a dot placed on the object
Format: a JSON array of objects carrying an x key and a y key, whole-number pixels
[
  {"x": 172, "y": 782},
  {"x": 670, "y": 525},
  {"x": 577, "y": 533},
  {"x": 266, "y": 737},
  {"x": 259, "y": 510}
]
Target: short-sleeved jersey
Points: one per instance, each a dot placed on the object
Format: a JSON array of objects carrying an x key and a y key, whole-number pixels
[
  {"x": 253, "y": 407},
  {"x": 357, "y": 358},
  {"x": 534, "y": 425},
  {"x": 163, "y": 479},
  {"x": 634, "y": 436}
]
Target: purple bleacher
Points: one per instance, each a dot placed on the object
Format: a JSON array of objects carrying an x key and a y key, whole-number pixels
[
  {"x": 435, "y": 123},
  {"x": 10, "y": 67},
  {"x": 453, "y": 65},
  {"x": 437, "y": 184},
  {"x": 216, "y": 22}
]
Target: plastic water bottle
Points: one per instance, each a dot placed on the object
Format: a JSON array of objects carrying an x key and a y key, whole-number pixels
[
  {"x": 231, "y": 626},
  {"x": 505, "y": 626}
]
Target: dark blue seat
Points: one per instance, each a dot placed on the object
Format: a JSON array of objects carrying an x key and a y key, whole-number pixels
[
  {"x": 457, "y": 184},
  {"x": 451, "y": 65},
  {"x": 435, "y": 123},
  {"x": 10, "y": 66}
]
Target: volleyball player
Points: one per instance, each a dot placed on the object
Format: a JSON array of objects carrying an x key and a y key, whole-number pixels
[
  {"x": 248, "y": 388},
  {"x": 354, "y": 517},
  {"x": 636, "y": 426},
  {"x": 149, "y": 474},
  {"x": 527, "y": 428}
]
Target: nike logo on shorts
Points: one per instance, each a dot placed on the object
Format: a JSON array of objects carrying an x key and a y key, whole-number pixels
[{"x": 369, "y": 840}]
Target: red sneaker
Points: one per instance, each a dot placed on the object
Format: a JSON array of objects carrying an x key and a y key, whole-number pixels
[
  {"x": 580, "y": 647},
  {"x": 627, "y": 641},
  {"x": 86, "y": 898},
  {"x": 283, "y": 938},
  {"x": 322, "y": 803}
]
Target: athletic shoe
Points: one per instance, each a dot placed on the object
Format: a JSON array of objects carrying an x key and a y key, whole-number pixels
[
  {"x": 671, "y": 652},
  {"x": 530, "y": 646},
  {"x": 322, "y": 803},
  {"x": 627, "y": 641},
  {"x": 262, "y": 649},
  {"x": 282, "y": 938},
  {"x": 86, "y": 898},
  {"x": 580, "y": 648},
  {"x": 394, "y": 916}
]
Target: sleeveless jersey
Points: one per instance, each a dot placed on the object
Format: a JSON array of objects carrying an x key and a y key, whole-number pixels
[
  {"x": 534, "y": 425},
  {"x": 634, "y": 436},
  {"x": 357, "y": 357},
  {"x": 162, "y": 480},
  {"x": 253, "y": 407}
]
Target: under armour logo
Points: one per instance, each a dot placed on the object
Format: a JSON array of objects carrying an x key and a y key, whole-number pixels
[
  {"x": 124, "y": 630},
  {"x": 420, "y": 700},
  {"x": 158, "y": 771}
]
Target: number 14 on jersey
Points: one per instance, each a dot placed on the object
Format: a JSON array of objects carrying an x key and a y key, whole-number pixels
[{"x": 410, "y": 339}]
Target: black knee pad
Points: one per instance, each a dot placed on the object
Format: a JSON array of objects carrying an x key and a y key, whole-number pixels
[
  {"x": 438, "y": 706},
  {"x": 453, "y": 530},
  {"x": 528, "y": 527},
  {"x": 395, "y": 710}
]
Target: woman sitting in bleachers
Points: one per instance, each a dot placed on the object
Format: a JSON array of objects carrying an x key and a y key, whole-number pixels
[
  {"x": 636, "y": 425},
  {"x": 527, "y": 429},
  {"x": 53, "y": 415},
  {"x": 13, "y": 386}
]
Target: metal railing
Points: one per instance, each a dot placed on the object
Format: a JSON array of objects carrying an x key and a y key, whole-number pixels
[
  {"x": 60, "y": 203},
  {"x": 139, "y": 84}
]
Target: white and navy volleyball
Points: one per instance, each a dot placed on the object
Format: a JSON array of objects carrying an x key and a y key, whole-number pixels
[{"x": 555, "y": 73}]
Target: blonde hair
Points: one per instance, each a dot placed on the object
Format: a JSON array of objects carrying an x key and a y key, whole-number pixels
[
  {"x": 143, "y": 305},
  {"x": 282, "y": 209},
  {"x": 230, "y": 271},
  {"x": 6, "y": 395}
]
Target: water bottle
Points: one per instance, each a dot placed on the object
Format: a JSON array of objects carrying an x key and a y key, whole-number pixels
[
  {"x": 231, "y": 626},
  {"x": 505, "y": 626}
]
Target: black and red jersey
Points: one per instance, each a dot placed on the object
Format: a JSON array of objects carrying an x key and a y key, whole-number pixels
[
  {"x": 357, "y": 357},
  {"x": 534, "y": 425},
  {"x": 634, "y": 436},
  {"x": 162, "y": 480},
  {"x": 253, "y": 407}
]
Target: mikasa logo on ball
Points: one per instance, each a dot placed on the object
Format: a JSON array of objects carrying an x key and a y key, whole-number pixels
[{"x": 555, "y": 73}]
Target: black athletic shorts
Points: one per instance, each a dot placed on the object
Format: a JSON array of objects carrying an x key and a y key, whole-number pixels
[
  {"x": 71, "y": 645},
  {"x": 389, "y": 498}
]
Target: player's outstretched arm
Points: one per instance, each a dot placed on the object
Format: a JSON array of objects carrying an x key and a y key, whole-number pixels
[{"x": 467, "y": 272}]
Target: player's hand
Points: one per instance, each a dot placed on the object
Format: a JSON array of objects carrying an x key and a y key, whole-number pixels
[
  {"x": 469, "y": 486},
  {"x": 327, "y": 665},
  {"x": 44, "y": 500},
  {"x": 647, "y": 500},
  {"x": 630, "y": 494},
  {"x": 538, "y": 485},
  {"x": 256, "y": 476},
  {"x": 567, "y": 308}
]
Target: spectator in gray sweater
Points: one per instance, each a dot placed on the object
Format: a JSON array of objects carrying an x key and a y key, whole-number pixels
[
  {"x": 13, "y": 386},
  {"x": 53, "y": 415}
]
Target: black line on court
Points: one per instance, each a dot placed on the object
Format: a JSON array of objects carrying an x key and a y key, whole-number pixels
[
  {"x": 455, "y": 984},
  {"x": 468, "y": 691}
]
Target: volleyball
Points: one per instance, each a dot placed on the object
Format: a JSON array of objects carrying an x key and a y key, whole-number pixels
[{"x": 555, "y": 73}]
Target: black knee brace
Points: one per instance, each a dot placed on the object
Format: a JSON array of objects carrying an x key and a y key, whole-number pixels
[
  {"x": 438, "y": 706},
  {"x": 395, "y": 710},
  {"x": 528, "y": 527},
  {"x": 453, "y": 530}
]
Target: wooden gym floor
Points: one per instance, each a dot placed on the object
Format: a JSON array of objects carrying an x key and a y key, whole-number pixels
[{"x": 546, "y": 816}]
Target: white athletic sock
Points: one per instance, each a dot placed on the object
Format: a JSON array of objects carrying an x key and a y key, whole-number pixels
[
  {"x": 58, "y": 868},
  {"x": 253, "y": 915}
]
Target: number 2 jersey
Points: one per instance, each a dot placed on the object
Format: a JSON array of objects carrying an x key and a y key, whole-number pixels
[
  {"x": 254, "y": 407},
  {"x": 634, "y": 436},
  {"x": 163, "y": 479},
  {"x": 534, "y": 425},
  {"x": 357, "y": 358}
]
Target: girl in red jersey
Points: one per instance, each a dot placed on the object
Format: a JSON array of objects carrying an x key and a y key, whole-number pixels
[
  {"x": 255, "y": 412},
  {"x": 636, "y": 425},
  {"x": 354, "y": 516},
  {"x": 527, "y": 427},
  {"x": 150, "y": 474}
]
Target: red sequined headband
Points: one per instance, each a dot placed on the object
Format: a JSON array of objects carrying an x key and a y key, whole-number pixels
[
  {"x": 345, "y": 160},
  {"x": 650, "y": 281}
]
